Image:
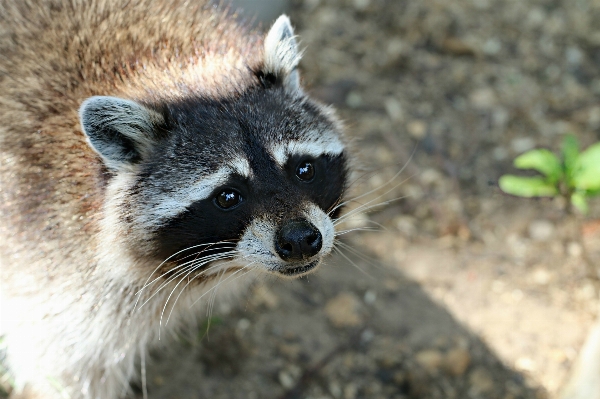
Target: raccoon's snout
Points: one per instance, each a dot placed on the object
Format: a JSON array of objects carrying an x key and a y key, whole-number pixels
[{"x": 298, "y": 240}]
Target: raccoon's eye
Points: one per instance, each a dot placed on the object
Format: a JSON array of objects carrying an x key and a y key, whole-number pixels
[
  {"x": 305, "y": 171},
  {"x": 228, "y": 199}
]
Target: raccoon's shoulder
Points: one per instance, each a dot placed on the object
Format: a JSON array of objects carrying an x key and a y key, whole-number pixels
[{"x": 56, "y": 49}]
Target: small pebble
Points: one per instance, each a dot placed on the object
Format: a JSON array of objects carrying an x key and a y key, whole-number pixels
[
  {"x": 243, "y": 324},
  {"x": 541, "y": 230},
  {"x": 483, "y": 99},
  {"x": 343, "y": 310},
  {"x": 430, "y": 359},
  {"x": 574, "y": 249},
  {"x": 457, "y": 361},
  {"x": 370, "y": 297},
  {"x": 522, "y": 144},
  {"x": 480, "y": 381},
  {"x": 417, "y": 129},
  {"x": 354, "y": 100},
  {"x": 394, "y": 109},
  {"x": 492, "y": 46}
]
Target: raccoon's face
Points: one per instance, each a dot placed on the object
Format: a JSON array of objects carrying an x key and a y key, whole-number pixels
[{"x": 254, "y": 177}]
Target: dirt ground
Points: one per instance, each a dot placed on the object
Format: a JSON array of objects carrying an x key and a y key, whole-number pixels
[{"x": 463, "y": 292}]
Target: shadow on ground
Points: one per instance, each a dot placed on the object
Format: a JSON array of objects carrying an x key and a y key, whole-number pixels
[{"x": 342, "y": 333}]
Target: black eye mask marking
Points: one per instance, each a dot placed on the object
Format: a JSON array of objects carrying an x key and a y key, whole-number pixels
[{"x": 322, "y": 179}]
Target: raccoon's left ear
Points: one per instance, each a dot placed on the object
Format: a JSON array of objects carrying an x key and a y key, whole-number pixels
[
  {"x": 281, "y": 56},
  {"x": 121, "y": 131}
]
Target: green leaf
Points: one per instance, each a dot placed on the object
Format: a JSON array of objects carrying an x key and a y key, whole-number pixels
[
  {"x": 586, "y": 174},
  {"x": 543, "y": 161},
  {"x": 578, "y": 201},
  {"x": 570, "y": 153},
  {"x": 527, "y": 186},
  {"x": 592, "y": 193}
]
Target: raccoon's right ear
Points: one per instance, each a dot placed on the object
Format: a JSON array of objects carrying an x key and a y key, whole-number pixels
[
  {"x": 121, "y": 131},
  {"x": 281, "y": 56}
]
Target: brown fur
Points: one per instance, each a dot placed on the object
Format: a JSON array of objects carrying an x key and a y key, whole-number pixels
[
  {"x": 57, "y": 53},
  {"x": 53, "y": 55}
]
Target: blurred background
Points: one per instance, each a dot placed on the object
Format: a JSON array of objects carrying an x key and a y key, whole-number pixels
[
  {"x": 462, "y": 291},
  {"x": 442, "y": 286}
]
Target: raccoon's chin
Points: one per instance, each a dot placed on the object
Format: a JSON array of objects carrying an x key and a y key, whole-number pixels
[{"x": 299, "y": 270}]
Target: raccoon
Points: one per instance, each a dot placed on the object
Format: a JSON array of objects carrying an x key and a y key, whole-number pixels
[{"x": 151, "y": 152}]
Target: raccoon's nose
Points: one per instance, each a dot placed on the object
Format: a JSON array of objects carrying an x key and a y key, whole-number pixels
[{"x": 297, "y": 240}]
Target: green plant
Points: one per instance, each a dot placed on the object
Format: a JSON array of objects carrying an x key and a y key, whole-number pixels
[{"x": 573, "y": 175}]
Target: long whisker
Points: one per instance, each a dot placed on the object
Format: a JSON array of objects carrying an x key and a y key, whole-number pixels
[
  {"x": 216, "y": 287},
  {"x": 191, "y": 268},
  {"x": 180, "y": 266},
  {"x": 339, "y": 233},
  {"x": 180, "y": 281},
  {"x": 211, "y": 298},
  {"x": 165, "y": 261},
  {"x": 377, "y": 188},
  {"x": 185, "y": 286},
  {"x": 212, "y": 288},
  {"x": 191, "y": 265},
  {"x": 367, "y": 207},
  {"x": 338, "y": 250},
  {"x": 371, "y": 261}
]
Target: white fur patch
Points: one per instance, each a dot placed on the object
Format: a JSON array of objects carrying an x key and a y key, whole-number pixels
[
  {"x": 257, "y": 244},
  {"x": 321, "y": 221},
  {"x": 327, "y": 146},
  {"x": 164, "y": 206},
  {"x": 241, "y": 166},
  {"x": 281, "y": 53}
]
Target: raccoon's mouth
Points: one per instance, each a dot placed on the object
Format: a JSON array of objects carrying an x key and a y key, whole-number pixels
[{"x": 299, "y": 270}]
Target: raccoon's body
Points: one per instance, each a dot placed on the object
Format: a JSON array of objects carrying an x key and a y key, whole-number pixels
[{"x": 150, "y": 152}]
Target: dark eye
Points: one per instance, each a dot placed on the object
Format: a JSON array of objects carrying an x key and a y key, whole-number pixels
[
  {"x": 305, "y": 171},
  {"x": 228, "y": 199}
]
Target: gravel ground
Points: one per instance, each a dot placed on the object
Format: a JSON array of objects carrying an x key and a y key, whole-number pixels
[{"x": 463, "y": 292}]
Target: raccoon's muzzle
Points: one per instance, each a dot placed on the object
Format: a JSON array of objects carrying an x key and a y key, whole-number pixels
[{"x": 298, "y": 240}]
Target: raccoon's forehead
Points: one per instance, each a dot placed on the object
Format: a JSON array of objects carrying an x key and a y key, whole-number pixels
[
  {"x": 261, "y": 120},
  {"x": 211, "y": 144}
]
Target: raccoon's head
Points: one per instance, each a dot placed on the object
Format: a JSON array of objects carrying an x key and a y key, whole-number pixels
[{"x": 253, "y": 177}]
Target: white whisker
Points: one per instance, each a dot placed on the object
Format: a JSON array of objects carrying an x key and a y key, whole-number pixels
[
  {"x": 368, "y": 206},
  {"x": 352, "y": 263},
  {"x": 369, "y": 260},
  {"x": 176, "y": 267},
  {"x": 377, "y": 188},
  {"x": 339, "y": 233},
  {"x": 185, "y": 286},
  {"x": 195, "y": 265},
  {"x": 212, "y": 288},
  {"x": 223, "y": 256},
  {"x": 165, "y": 261}
]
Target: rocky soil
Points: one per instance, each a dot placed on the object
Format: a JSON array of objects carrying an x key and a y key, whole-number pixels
[{"x": 463, "y": 292}]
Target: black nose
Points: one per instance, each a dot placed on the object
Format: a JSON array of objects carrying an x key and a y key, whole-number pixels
[{"x": 298, "y": 239}]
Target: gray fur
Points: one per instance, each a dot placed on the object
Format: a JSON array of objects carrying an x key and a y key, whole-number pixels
[
  {"x": 109, "y": 122},
  {"x": 192, "y": 106},
  {"x": 281, "y": 53}
]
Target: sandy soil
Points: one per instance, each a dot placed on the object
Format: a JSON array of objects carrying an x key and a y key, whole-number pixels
[{"x": 463, "y": 292}]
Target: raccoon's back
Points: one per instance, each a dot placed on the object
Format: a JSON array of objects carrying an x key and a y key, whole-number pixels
[{"x": 55, "y": 54}]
